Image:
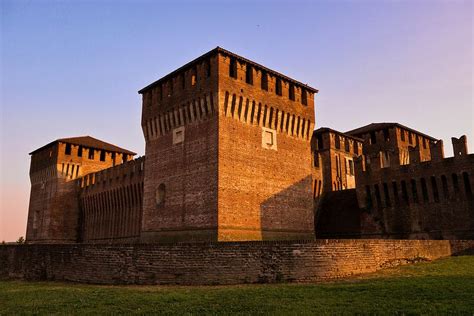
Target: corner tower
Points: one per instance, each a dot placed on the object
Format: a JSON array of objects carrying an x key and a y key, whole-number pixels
[
  {"x": 54, "y": 210},
  {"x": 228, "y": 153}
]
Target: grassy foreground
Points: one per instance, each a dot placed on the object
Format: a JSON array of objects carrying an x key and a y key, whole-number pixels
[{"x": 442, "y": 287}]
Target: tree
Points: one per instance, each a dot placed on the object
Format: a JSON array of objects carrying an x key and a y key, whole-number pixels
[{"x": 20, "y": 240}]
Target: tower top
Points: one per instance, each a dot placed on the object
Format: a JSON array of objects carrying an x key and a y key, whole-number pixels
[
  {"x": 230, "y": 54},
  {"x": 372, "y": 127},
  {"x": 87, "y": 141}
]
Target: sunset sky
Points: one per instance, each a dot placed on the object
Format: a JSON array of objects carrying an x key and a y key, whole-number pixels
[{"x": 71, "y": 68}]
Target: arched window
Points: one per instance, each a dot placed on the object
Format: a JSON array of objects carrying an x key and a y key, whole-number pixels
[{"x": 160, "y": 195}]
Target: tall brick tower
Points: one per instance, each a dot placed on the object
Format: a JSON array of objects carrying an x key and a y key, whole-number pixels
[
  {"x": 228, "y": 153},
  {"x": 54, "y": 210}
]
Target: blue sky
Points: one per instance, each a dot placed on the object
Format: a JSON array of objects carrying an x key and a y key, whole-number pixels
[{"x": 72, "y": 68}]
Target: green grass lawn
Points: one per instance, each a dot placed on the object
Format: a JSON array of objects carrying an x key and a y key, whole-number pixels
[{"x": 444, "y": 287}]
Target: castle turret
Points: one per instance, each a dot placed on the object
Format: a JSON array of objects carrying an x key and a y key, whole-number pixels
[{"x": 54, "y": 211}]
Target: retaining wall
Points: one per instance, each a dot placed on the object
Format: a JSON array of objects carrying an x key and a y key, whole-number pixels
[{"x": 217, "y": 263}]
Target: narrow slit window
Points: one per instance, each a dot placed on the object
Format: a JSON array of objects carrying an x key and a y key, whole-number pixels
[
  {"x": 444, "y": 185},
  {"x": 395, "y": 193},
  {"x": 233, "y": 68},
  {"x": 455, "y": 183},
  {"x": 434, "y": 186},
  {"x": 249, "y": 74},
  {"x": 424, "y": 190},
  {"x": 405, "y": 192},
  {"x": 414, "y": 191},
  {"x": 252, "y": 113},
  {"x": 388, "y": 203},
  {"x": 377, "y": 195},
  {"x": 68, "y": 149},
  {"x": 304, "y": 96},
  {"x": 319, "y": 145},
  {"x": 278, "y": 86},
  {"x": 259, "y": 110},
  {"x": 91, "y": 153},
  {"x": 368, "y": 197},
  {"x": 264, "y": 82},
  {"x": 270, "y": 118},
  {"x": 316, "y": 160},
  {"x": 467, "y": 184},
  {"x": 291, "y": 92},
  {"x": 102, "y": 155},
  {"x": 351, "y": 167},
  {"x": 373, "y": 138}
]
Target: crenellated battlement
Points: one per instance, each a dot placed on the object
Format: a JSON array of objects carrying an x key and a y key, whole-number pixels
[
  {"x": 389, "y": 159},
  {"x": 113, "y": 176},
  {"x": 111, "y": 203},
  {"x": 422, "y": 199}
]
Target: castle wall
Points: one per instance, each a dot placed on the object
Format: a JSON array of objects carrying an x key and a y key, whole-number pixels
[
  {"x": 111, "y": 203},
  {"x": 218, "y": 263},
  {"x": 422, "y": 200},
  {"x": 264, "y": 155},
  {"x": 179, "y": 123}
]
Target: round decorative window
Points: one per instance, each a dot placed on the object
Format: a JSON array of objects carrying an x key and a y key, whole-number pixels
[{"x": 160, "y": 195}]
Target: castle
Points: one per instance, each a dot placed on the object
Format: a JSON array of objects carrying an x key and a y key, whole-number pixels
[{"x": 231, "y": 155}]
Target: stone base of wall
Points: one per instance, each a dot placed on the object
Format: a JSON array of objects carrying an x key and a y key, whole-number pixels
[{"x": 217, "y": 263}]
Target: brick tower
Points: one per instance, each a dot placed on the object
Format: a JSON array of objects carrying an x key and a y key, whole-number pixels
[
  {"x": 228, "y": 153},
  {"x": 54, "y": 210}
]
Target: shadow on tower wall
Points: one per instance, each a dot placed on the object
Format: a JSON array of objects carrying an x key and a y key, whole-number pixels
[
  {"x": 289, "y": 214},
  {"x": 337, "y": 215}
]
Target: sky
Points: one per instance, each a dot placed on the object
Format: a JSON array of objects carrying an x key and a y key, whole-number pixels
[{"x": 71, "y": 68}]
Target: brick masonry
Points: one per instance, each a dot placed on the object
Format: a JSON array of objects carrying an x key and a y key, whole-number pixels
[
  {"x": 431, "y": 199},
  {"x": 217, "y": 263}
]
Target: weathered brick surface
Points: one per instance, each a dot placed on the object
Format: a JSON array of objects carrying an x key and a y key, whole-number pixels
[
  {"x": 111, "y": 203},
  {"x": 432, "y": 199},
  {"x": 217, "y": 263},
  {"x": 336, "y": 152},
  {"x": 264, "y": 193},
  {"x": 54, "y": 212},
  {"x": 187, "y": 170},
  {"x": 204, "y": 132}
]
